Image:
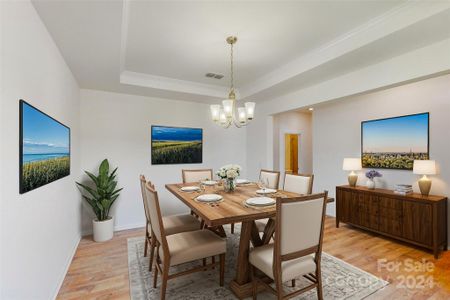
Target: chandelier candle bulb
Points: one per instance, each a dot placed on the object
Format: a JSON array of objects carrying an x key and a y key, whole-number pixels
[
  {"x": 250, "y": 110},
  {"x": 215, "y": 112},
  {"x": 222, "y": 117},
  {"x": 242, "y": 115},
  {"x": 228, "y": 108}
]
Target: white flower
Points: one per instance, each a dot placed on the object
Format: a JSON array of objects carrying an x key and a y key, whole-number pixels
[{"x": 232, "y": 173}]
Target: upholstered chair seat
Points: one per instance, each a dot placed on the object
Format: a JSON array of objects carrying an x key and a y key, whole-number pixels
[
  {"x": 180, "y": 223},
  {"x": 262, "y": 258},
  {"x": 193, "y": 245}
]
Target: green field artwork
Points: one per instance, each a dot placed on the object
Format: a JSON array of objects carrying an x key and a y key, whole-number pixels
[
  {"x": 175, "y": 145},
  {"x": 44, "y": 148},
  {"x": 395, "y": 143}
]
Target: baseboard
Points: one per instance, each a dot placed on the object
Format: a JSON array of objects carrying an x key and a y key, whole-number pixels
[{"x": 66, "y": 267}]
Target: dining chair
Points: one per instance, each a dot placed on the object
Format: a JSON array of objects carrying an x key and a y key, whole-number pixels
[
  {"x": 180, "y": 248},
  {"x": 296, "y": 183},
  {"x": 272, "y": 178},
  {"x": 196, "y": 175},
  {"x": 173, "y": 224},
  {"x": 297, "y": 249}
]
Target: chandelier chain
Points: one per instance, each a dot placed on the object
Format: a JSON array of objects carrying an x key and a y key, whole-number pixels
[{"x": 232, "y": 71}]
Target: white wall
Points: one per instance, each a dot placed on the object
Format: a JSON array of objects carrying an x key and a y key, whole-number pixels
[
  {"x": 117, "y": 127},
  {"x": 40, "y": 229},
  {"x": 293, "y": 122},
  {"x": 336, "y": 132}
]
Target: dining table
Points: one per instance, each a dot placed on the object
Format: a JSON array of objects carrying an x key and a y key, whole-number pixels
[{"x": 233, "y": 209}]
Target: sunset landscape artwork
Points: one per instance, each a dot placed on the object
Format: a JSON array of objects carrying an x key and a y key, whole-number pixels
[{"x": 395, "y": 143}]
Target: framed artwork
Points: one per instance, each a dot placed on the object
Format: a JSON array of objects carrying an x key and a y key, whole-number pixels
[
  {"x": 176, "y": 145},
  {"x": 394, "y": 143},
  {"x": 44, "y": 148}
]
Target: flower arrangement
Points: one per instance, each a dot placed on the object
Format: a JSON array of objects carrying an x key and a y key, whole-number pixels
[
  {"x": 229, "y": 172},
  {"x": 373, "y": 174}
]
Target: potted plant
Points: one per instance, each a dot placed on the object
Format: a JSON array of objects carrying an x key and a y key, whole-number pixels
[{"x": 101, "y": 197}]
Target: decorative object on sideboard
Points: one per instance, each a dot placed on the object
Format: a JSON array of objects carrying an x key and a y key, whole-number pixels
[
  {"x": 424, "y": 167},
  {"x": 44, "y": 148},
  {"x": 394, "y": 143},
  {"x": 228, "y": 174},
  {"x": 101, "y": 197},
  {"x": 403, "y": 189},
  {"x": 176, "y": 145},
  {"x": 371, "y": 175},
  {"x": 352, "y": 165}
]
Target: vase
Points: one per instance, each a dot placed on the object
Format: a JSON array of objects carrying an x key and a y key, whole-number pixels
[
  {"x": 229, "y": 185},
  {"x": 370, "y": 184}
]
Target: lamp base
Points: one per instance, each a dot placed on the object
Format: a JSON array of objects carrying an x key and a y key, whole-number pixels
[
  {"x": 352, "y": 179},
  {"x": 425, "y": 186}
]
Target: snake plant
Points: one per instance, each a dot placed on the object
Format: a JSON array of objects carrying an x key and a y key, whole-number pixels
[{"x": 103, "y": 195}]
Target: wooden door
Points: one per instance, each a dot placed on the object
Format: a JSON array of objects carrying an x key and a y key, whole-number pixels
[
  {"x": 291, "y": 153},
  {"x": 391, "y": 216}
]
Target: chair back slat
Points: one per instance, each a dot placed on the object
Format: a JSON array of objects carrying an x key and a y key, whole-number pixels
[
  {"x": 270, "y": 177},
  {"x": 197, "y": 175},
  {"x": 300, "y": 184}
]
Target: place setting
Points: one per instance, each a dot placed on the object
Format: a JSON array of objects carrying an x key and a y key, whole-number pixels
[{"x": 259, "y": 202}]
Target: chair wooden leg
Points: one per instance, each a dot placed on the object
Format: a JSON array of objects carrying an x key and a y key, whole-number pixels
[
  {"x": 165, "y": 278},
  {"x": 254, "y": 283},
  {"x": 152, "y": 255},
  {"x": 155, "y": 277},
  {"x": 222, "y": 268},
  {"x": 232, "y": 228},
  {"x": 213, "y": 260},
  {"x": 293, "y": 283},
  {"x": 146, "y": 247},
  {"x": 319, "y": 283}
]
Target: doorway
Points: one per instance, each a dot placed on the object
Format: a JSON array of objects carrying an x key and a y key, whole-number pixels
[{"x": 291, "y": 146}]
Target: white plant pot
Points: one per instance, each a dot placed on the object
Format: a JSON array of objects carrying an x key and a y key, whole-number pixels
[{"x": 103, "y": 230}]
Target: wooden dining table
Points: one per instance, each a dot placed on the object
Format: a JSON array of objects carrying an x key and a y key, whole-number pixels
[{"x": 232, "y": 210}]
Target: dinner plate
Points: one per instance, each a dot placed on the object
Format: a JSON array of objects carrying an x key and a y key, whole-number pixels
[
  {"x": 260, "y": 201},
  {"x": 209, "y": 198},
  {"x": 190, "y": 188},
  {"x": 266, "y": 191},
  {"x": 242, "y": 181},
  {"x": 209, "y": 182}
]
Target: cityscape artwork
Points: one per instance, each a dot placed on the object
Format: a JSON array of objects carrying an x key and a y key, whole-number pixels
[{"x": 395, "y": 143}]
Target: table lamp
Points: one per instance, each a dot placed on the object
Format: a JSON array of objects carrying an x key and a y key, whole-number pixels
[
  {"x": 424, "y": 167},
  {"x": 352, "y": 164}
]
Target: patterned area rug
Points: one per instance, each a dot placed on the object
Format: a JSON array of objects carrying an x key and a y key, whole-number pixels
[{"x": 340, "y": 279}]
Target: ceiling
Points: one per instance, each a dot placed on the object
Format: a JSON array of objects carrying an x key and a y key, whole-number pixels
[{"x": 165, "y": 48}]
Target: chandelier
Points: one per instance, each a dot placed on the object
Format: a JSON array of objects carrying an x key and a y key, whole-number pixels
[{"x": 225, "y": 114}]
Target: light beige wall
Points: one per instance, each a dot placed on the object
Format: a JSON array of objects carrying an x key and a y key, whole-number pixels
[{"x": 336, "y": 131}]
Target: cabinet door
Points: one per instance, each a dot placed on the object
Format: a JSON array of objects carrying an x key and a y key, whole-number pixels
[
  {"x": 391, "y": 216},
  {"x": 417, "y": 219},
  {"x": 369, "y": 211},
  {"x": 344, "y": 205}
]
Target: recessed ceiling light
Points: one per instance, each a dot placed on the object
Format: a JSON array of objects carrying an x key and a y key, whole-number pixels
[
  {"x": 311, "y": 109},
  {"x": 214, "y": 75}
]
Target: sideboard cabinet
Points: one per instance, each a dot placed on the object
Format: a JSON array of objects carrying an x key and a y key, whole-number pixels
[{"x": 416, "y": 219}]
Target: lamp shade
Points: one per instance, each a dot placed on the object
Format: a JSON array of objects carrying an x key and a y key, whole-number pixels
[
  {"x": 215, "y": 112},
  {"x": 352, "y": 164},
  {"x": 424, "y": 167},
  {"x": 249, "y": 110}
]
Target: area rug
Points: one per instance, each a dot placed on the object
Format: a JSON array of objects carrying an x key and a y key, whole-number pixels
[{"x": 340, "y": 279}]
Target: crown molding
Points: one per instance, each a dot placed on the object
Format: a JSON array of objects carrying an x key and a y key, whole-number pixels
[{"x": 384, "y": 25}]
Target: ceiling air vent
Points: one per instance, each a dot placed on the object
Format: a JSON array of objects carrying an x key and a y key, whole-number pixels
[{"x": 213, "y": 75}]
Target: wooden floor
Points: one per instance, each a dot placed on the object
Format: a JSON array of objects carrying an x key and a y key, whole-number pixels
[{"x": 100, "y": 270}]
